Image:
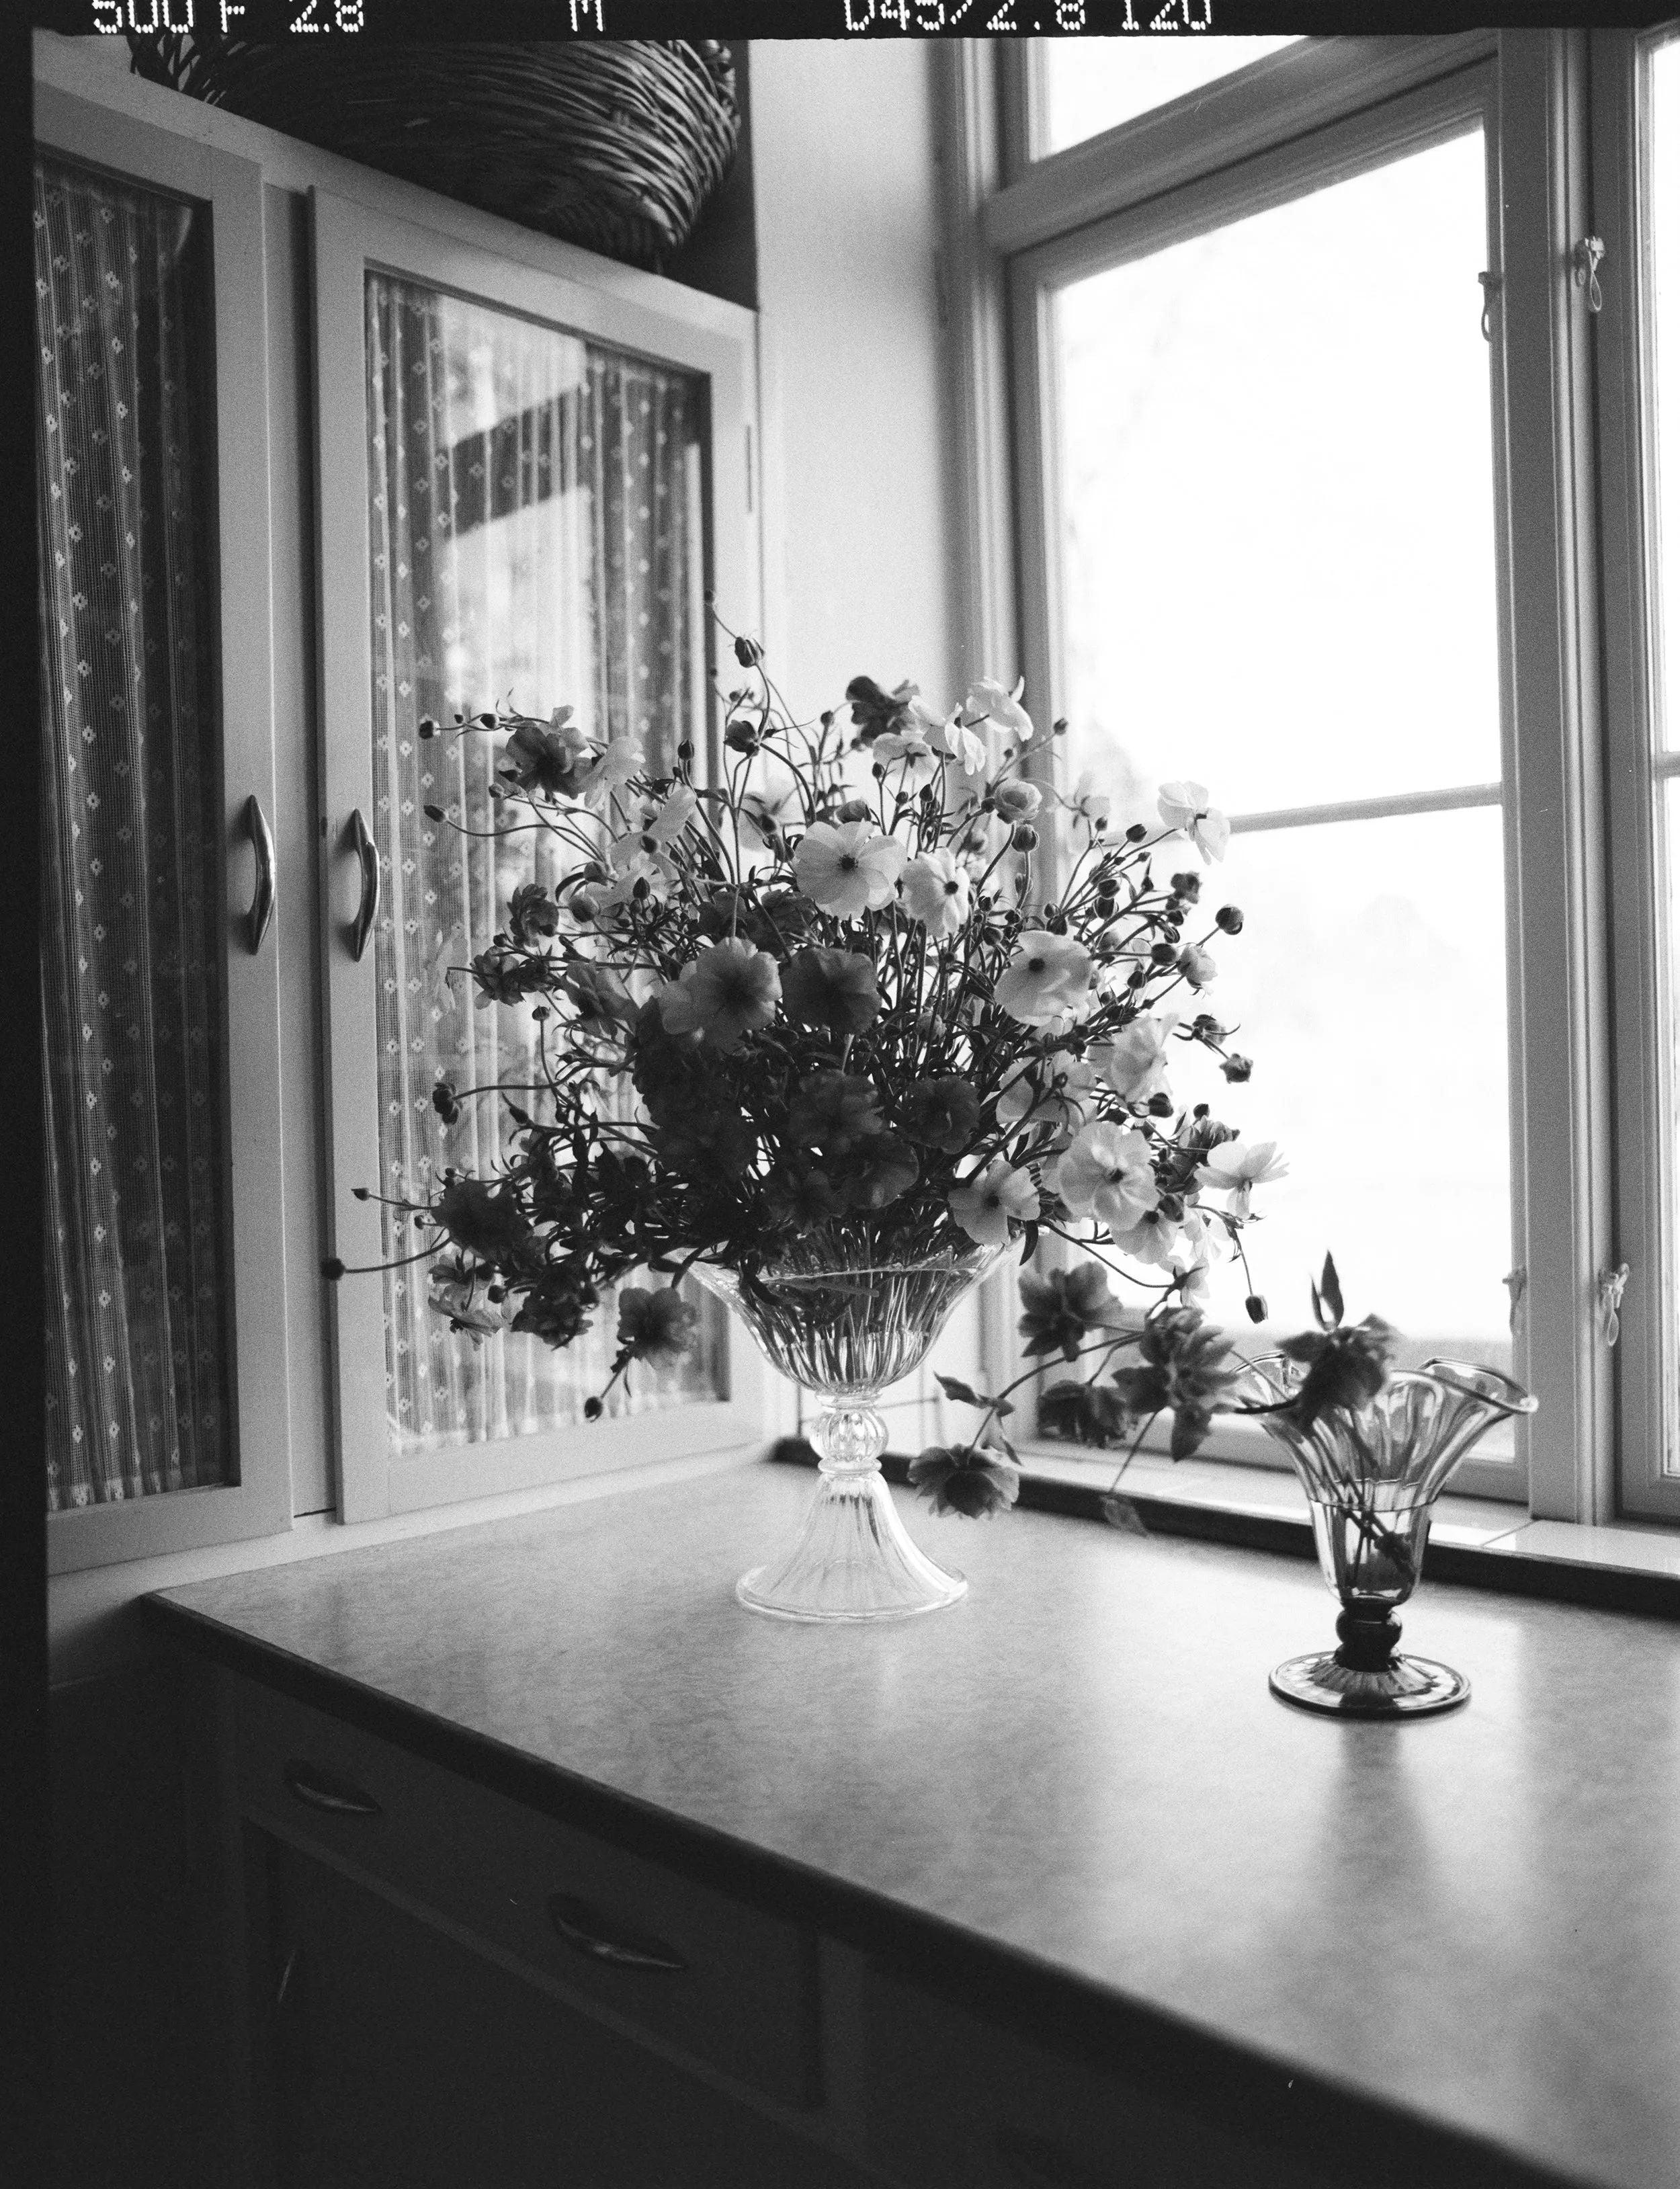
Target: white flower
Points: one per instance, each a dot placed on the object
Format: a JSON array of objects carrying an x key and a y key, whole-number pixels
[
  {"x": 983, "y": 1205},
  {"x": 964, "y": 748},
  {"x": 1048, "y": 979},
  {"x": 632, "y": 864},
  {"x": 849, "y": 868},
  {"x": 1087, "y": 803},
  {"x": 1150, "y": 1239},
  {"x": 1236, "y": 1169},
  {"x": 934, "y": 890},
  {"x": 1017, "y": 799},
  {"x": 1054, "y": 1092},
  {"x": 988, "y": 698},
  {"x": 1185, "y": 805},
  {"x": 611, "y": 770},
  {"x": 912, "y": 754},
  {"x": 1135, "y": 1063},
  {"x": 1109, "y": 1172},
  {"x": 1196, "y": 964}
]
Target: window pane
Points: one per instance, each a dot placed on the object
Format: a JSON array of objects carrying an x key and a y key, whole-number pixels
[
  {"x": 1277, "y": 553},
  {"x": 137, "y": 1336},
  {"x": 1095, "y": 84},
  {"x": 536, "y": 534},
  {"x": 1368, "y": 985},
  {"x": 1663, "y": 121}
]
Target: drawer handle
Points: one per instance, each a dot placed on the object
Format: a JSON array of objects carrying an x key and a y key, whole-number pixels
[
  {"x": 583, "y": 1930},
  {"x": 320, "y": 1790},
  {"x": 1036, "y": 2162},
  {"x": 263, "y": 902},
  {"x": 368, "y": 911}
]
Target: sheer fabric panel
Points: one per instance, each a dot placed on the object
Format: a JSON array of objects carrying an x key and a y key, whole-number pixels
[
  {"x": 535, "y": 537},
  {"x": 137, "y": 1270}
]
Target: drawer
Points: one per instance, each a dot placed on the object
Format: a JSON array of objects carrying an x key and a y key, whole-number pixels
[
  {"x": 658, "y": 1956},
  {"x": 957, "y": 2102}
]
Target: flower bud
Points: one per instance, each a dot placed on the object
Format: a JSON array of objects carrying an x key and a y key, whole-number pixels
[
  {"x": 1025, "y": 837},
  {"x": 1236, "y": 1068},
  {"x": 1256, "y": 1305},
  {"x": 1163, "y": 953},
  {"x": 1160, "y": 1106},
  {"x": 1137, "y": 832},
  {"x": 594, "y": 872},
  {"x": 432, "y": 812},
  {"x": 1188, "y": 886},
  {"x": 428, "y": 728},
  {"x": 856, "y": 809},
  {"x": 1229, "y": 918},
  {"x": 1059, "y": 728},
  {"x": 591, "y": 1407},
  {"x": 685, "y": 750},
  {"x": 748, "y": 653}
]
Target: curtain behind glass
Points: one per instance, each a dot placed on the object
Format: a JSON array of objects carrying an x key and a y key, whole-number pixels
[
  {"x": 534, "y": 535},
  {"x": 136, "y": 1274}
]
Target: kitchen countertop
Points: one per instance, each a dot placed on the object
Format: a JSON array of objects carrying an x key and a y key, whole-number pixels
[{"x": 1473, "y": 1918}]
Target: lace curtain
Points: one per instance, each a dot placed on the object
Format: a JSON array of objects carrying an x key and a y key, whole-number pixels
[
  {"x": 535, "y": 538},
  {"x": 136, "y": 1275}
]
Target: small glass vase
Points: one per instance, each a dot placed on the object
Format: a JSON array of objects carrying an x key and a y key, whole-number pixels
[
  {"x": 1371, "y": 1480},
  {"x": 844, "y": 1324}
]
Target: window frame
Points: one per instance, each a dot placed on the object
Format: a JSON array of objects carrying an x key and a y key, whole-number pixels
[
  {"x": 1255, "y": 137},
  {"x": 257, "y": 1501},
  {"x": 1648, "y": 1354},
  {"x": 348, "y": 239}
]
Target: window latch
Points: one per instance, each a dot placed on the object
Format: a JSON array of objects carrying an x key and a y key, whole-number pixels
[
  {"x": 1492, "y": 286},
  {"x": 1588, "y": 255},
  {"x": 1516, "y": 1282},
  {"x": 1612, "y": 1284}
]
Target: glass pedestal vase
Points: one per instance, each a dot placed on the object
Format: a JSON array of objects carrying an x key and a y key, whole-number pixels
[
  {"x": 844, "y": 1326},
  {"x": 1371, "y": 1480}
]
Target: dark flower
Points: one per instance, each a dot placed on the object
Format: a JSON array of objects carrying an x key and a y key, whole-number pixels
[
  {"x": 1083, "y": 1413},
  {"x": 1345, "y": 1368},
  {"x": 831, "y": 988},
  {"x": 485, "y": 1218},
  {"x": 941, "y": 1113},
  {"x": 598, "y": 996},
  {"x": 507, "y": 976},
  {"x": 1188, "y": 886},
  {"x": 833, "y": 1111},
  {"x": 961, "y": 1480},
  {"x": 657, "y": 1326},
  {"x": 1237, "y": 1068},
  {"x": 742, "y": 735},
  {"x": 660, "y": 1062},
  {"x": 879, "y": 1171},
  {"x": 545, "y": 756},
  {"x": 1063, "y": 1306},
  {"x": 801, "y": 1200},
  {"x": 556, "y": 1310},
  {"x": 532, "y": 912},
  {"x": 446, "y": 1101},
  {"x": 697, "y": 1139},
  {"x": 876, "y": 712},
  {"x": 1183, "y": 1366}
]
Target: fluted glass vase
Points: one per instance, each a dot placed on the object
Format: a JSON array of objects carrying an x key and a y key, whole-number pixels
[
  {"x": 1371, "y": 1480},
  {"x": 844, "y": 1325}
]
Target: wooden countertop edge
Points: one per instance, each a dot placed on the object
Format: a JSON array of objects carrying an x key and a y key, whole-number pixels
[{"x": 1311, "y": 2118}]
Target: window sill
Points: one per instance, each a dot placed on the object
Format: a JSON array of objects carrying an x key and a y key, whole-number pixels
[{"x": 1475, "y": 1543}]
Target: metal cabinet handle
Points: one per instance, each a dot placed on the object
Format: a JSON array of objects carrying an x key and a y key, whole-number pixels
[
  {"x": 362, "y": 927},
  {"x": 583, "y": 1929},
  {"x": 1036, "y": 2162},
  {"x": 321, "y": 1790},
  {"x": 262, "y": 897}
]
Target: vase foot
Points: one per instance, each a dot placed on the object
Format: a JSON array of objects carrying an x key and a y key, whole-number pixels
[
  {"x": 1407, "y": 1687},
  {"x": 852, "y": 1561}
]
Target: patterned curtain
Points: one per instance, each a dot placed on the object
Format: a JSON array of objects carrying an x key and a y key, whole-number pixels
[
  {"x": 536, "y": 536},
  {"x": 136, "y": 1274}
]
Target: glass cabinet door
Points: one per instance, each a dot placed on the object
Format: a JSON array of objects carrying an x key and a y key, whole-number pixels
[
  {"x": 162, "y": 1191},
  {"x": 521, "y": 499}
]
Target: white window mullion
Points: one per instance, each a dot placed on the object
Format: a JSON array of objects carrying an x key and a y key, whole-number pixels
[{"x": 1560, "y": 1078}]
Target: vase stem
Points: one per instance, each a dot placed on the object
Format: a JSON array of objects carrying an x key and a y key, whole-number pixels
[{"x": 852, "y": 1559}]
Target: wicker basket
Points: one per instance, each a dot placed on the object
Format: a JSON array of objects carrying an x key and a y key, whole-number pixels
[{"x": 615, "y": 145}]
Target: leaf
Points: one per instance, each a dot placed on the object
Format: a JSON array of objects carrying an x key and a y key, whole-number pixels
[
  {"x": 954, "y": 1387},
  {"x": 1121, "y": 1512},
  {"x": 1003, "y": 1444},
  {"x": 1327, "y": 1293}
]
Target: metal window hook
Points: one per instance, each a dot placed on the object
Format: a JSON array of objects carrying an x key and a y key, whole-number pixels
[
  {"x": 1588, "y": 255},
  {"x": 1612, "y": 1284},
  {"x": 1492, "y": 286}
]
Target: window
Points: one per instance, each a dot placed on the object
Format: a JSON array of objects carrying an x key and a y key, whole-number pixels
[
  {"x": 1090, "y": 84},
  {"x": 1303, "y": 450}
]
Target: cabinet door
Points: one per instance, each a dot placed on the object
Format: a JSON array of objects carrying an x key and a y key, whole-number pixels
[
  {"x": 522, "y": 496},
  {"x": 160, "y": 995},
  {"x": 396, "y": 2058}
]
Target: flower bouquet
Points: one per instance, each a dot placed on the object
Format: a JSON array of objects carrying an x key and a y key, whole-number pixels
[{"x": 813, "y": 1026}]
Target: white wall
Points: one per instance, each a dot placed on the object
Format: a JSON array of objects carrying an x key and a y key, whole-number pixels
[{"x": 856, "y": 532}]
